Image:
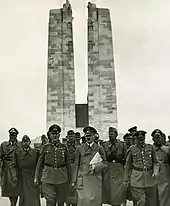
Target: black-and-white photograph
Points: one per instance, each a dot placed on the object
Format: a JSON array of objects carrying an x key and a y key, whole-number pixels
[{"x": 84, "y": 110}]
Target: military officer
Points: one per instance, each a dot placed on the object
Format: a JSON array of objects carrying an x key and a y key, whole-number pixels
[
  {"x": 141, "y": 170},
  {"x": 78, "y": 137},
  {"x": 54, "y": 169},
  {"x": 23, "y": 168},
  {"x": 114, "y": 192},
  {"x": 89, "y": 164},
  {"x": 132, "y": 131},
  {"x": 7, "y": 149},
  {"x": 163, "y": 178}
]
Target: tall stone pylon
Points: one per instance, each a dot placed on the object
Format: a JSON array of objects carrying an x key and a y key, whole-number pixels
[
  {"x": 61, "y": 79},
  {"x": 102, "y": 104}
]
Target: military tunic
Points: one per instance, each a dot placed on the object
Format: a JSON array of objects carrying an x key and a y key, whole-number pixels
[
  {"x": 141, "y": 162},
  {"x": 89, "y": 186},
  {"x": 6, "y": 155},
  {"x": 23, "y": 167},
  {"x": 114, "y": 191},
  {"x": 163, "y": 179},
  {"x": 54, "y": 171}
]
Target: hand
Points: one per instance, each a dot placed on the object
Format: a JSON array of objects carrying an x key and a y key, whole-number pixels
[
  {"x": 92, "y": 168},
  {"x": 126, "y": 183},
  {"x": 14, "y": 180},
  {"x": 154, "y": 175},
  {"x": 36, "y": 182}
]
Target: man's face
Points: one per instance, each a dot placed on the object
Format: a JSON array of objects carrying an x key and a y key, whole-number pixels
[
  {"x": 140, "y": 140},
  {"x": 112, "y": 136},
  {"x": 26, "y": 143},
  {"x": 71, "y": 138},
  {"x": 54, "y": 136},
  {"x": 12, "y": 137},
  {"x": 157, "y": 138},
  {"x": 129, "y": 140},
  {"x": 90, "y": 137}
]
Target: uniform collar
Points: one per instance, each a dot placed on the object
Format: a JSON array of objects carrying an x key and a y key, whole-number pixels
[{"x": 15, "y": 143}]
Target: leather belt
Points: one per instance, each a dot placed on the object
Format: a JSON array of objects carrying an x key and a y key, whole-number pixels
[
  {"x": 54, "y": 166},
  {"x": 147, "y": 169}
]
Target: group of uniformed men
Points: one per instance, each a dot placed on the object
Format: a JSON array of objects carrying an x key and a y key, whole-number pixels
[{"x": 87, "y": 173}]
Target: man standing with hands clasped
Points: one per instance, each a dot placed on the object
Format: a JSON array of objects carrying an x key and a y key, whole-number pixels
[
  {"x": 141, "y": 170},
  {"x": 89, "y": 164}
]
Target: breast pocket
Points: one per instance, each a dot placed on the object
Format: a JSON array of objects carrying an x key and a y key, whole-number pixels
[
  {"x": 136, "y": 157},
  {"x": 148, "y": 156},
  {"x": 48, "y": 155}
]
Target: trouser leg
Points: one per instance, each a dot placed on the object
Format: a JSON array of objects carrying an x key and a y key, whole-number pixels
[
  {"x": 152, "y": 198},
  {"x": 50, "y": 201},
  {"x": 139, "y": 196},
  {"x": 13, "y": 201}
]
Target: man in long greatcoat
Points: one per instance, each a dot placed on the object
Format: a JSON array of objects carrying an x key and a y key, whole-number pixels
[
  {"x": 114, "y": 191},
  {"x": 23, "y": 168},
  {"x": 72, "y": 149},
  {"x": 90, "y": 162},
  {"x": 141, "y": 170},
  {"x": 9, "y": 186},
  {"x": 163, "y": 178}
]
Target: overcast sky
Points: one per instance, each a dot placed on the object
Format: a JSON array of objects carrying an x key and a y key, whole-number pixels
[{"x": 141, "y": 31}]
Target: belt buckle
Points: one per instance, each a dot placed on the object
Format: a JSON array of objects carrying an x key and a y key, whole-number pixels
[{"x": 113, "y": 161}]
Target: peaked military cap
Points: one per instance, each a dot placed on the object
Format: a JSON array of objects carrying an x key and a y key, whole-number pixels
[
  {"x": 13, "y": 131},
  {"x": 156, "y": 131},
  {"x": 127, "y": 135},
  {"x": 132, "y": 129},
  {"x": 26, "y": 138},
  {"x": 77, "y": 135},
  {"x": 70, "y": 132},
  {"x": 90, "y": 129},
  {"x": 54, "y": 128},
  {"x": 142, "y": 132},
  {"x": 113, "y": 129}
]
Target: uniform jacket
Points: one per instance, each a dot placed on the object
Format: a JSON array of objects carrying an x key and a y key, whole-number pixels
[
  {"x": 141, "y": 162},
  {"x": 54, "y": 166},
  {"x": 6, "y": 156}
]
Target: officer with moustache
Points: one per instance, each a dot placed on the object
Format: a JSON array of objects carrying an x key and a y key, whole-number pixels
[
  {"x": 88, "y": 170},
  {"x": 54, "y": 169},
  {"x": 141, "y": 170},
  {"x": 9, "y": 185}
]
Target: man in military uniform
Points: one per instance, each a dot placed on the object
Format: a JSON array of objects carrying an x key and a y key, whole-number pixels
[
  {"x": 163, "y": 178},
  {"x": 78, "y": 137},
  {"x": 54, "y": 169},
  {"x": 7, "y": 149},
  {"x": 23, "y": 168},
  {"x": 72, "y": 148},
  {"x": 132, "y": 132},
  {"x": 141, "y": 170},
  {"x": 89, "y": 164},
  {"x": 114, "y": 191}
]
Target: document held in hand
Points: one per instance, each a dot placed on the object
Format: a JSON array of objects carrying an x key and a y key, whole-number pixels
[{"x": 96, "y": 159}]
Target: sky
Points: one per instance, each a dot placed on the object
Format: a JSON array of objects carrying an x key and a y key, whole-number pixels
[{"x": 141, "y": 31}]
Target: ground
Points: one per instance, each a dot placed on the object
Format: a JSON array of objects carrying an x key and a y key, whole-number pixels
[{"x": 5, "y": 202}]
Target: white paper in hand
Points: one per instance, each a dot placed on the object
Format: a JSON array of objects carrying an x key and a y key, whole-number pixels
[{"x": 96, "y": 159}]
